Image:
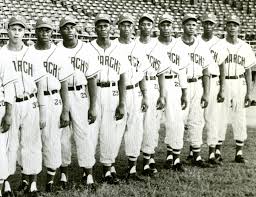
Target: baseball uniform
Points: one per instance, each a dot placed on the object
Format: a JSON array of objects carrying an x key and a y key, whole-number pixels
[
  {"x": 83, "y": 62},
  {"x": 25, "y": 134}
]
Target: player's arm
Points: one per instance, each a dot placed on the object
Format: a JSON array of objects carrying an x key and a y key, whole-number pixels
[
  {"x": 143, "y": 89},
  {"x": 161, "y": 99},
  {"x": 122, "y": 94},
  {"x": 248, "y": 79},
  {"x": 42, "y": 102},
  {"x": 205, "y": 81},
  {"x": 92, "y": 90},
  {"x": 183, "y": 84},
  {"x": 220, "y": 96},
  {"x": 64, "y": 117}
]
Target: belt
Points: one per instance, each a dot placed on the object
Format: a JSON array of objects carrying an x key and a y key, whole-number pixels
[
  {"x": 234, "y": 77},
  {"x": 50, "y": 92},
  {"x": 213, "y": 76},
  {"x": 132, "y": 86},
  {"x": 25, "y": 98},
  {"x": 171, "y": 77},
  {"x": 72, "y": 88},
  {"x": 106, "y": 84},
  {"x": 150, "y": 77},
  {"x": 191, "y": 80}
]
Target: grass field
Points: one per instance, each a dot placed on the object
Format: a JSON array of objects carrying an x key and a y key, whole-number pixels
[{"x": 231, "y": 179}]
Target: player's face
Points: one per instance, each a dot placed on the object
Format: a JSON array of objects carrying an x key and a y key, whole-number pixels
[
  {"x": 68, "y": 32},
  {"x": 43, "y": 34},
  {"x": 232, "y": 29},
  {"x": 145, "y": 27},
  {"x": 189, "y": 27},
  {"x": 125, "y": 29},
  {"x": 208, "y": 26},
  {"x": 16, "y": 33},
  {"x": 165, "y": 28},
  {"x": 102, "y": 29}
]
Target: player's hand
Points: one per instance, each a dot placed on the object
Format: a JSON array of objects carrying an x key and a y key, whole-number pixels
[
  {"x": 91, "y": 115},
  {"x": 247, "y": 100},
  {"x": 42, "y": 124},
  {"x": 64, "y": 119},
  {"x": 119, "y": 112},
  {"x": 6, "y": 122},
  {"x": 220, "y": 97},
  {"x": 204, "y": 101},
  {"x": 184, "y": 102},
  {"x": 144, "y": 104},
  {"x": 160, "y": 103}
]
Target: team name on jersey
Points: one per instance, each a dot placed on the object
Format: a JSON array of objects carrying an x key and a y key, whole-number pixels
[
  {"x": 23, "y": 66},
  {"x": 214, "y": 55},
  {"x": 198, "y": 59},
  {"x": 134, "y": 61},
  {"x": 79, "y": 64},
  {"x": 110, "y": 62},
  {"x": 52, "y": 69},
  {"x": 174, "y": 58},
  {"x": 155, "y": 63},
  {"x": 234, "y": 58}
]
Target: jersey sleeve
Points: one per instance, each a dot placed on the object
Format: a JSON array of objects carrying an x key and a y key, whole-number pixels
[
  {"x": 165, "y": 63},
  {"x": 9, "y": 74},
  {"x": 65, "y": 71},
  {"x": 208, "y": 59},
  {"x": 93, "y": 67},
  {"x": 250, "y": 58},
  {"x": 39, "y": 72}
]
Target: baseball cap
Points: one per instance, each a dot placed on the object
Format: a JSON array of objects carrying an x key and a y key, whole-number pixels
[
  {"x": 233, "y": 18},
  {"x": 125, "y": 17},
  {"x": 188, "y": 17},
  {"x": 44, "y": 22},
  {"x": 67, "y": 19},
  {"x": 102, "y": 17},
  {"x": 209, "y": 17},
  {"x": 17, "y": 20},
  {"x": 148, "y": 16},
  {"x": 165, "y": 17}
]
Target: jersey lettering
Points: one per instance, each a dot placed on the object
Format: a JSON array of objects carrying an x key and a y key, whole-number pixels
[
  {"x": 215, "y": 55},
  {"x": 174, "y": 58},
  {"x": 79, "y": 64},
  {"x": 198, "y": 59},
  {"x": 134, "y": 62},
  {"x": 110, "y": 62},
  {"x": 23, "y": 66},
  {"x": 155, "y": 63},
  {"x": 51, "y": 68},
  {"x": 234, "y": 58}
]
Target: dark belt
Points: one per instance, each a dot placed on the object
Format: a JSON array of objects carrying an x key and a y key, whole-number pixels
[
  {"x": 235, "y": 77},
  {"x": 72, "y": 88},
  {"x": 46, "y": 93},
  {"x": 191, "y": 80},
  {"x": 150, "y": 77},
  {"x": 171, "y": 76},
  {"x": 106, "y": 84},
  {"x": 25, "y": 98},
  {"x": 213, "y": 76},
  {"x": 132, "y": 86}
]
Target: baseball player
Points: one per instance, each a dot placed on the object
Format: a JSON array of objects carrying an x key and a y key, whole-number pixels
[
  {"x": 25, "y": 134},
  {"x": 176, "y": 94},
  {"x": 198, "y": 84},
  {"x": 82, "y": 99},
  {"x": 136, "y": 93},
  {"x": 56, "y": 96},
  {"x": 157, "y": 56},
  {"x": 237, "y": 87},
  {"x": 111, "y": 96},
  {"x": 7, "y": 78},
  {"x": 217, "y": 76}
]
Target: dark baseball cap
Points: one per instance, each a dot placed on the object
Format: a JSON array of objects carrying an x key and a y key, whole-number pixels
[
  {"x": 189, "y": 17},
  {"x": 17, "y": 20},
  {"x": 102, "y": 17},
  {"x": 67, "y": 19},
  {"x": 148, "y": 16},
  {"x": 234, "y": 19},
  {"x": 209, "y": 17},
  {"x": 44, "y": 22},
  {"x": 125, "y": 17},
  {"x": 165, "y": 17}
]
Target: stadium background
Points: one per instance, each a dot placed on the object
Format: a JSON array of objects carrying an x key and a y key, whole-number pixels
[{"x": 86, "y": 10}]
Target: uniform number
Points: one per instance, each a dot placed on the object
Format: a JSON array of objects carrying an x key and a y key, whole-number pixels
[
  {"x": 176, "y": 84},
  {"x": 57, "y": 101},
  {"x": 115, "y": 93},
  {"x": 244, "y": 82},
  {"x": 35, "y": 104},
  {"x": 156, "y": 86},
  {"x": 83, "y": 95},
  {"x": 217, "y": 83},
  {"x": 2, "y": 103}
]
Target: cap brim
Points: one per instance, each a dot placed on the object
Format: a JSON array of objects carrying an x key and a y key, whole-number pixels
[
  {"x": 191, "y": 18},
  {"x": 143, "y": 17},
  {"x": 165, "y": 20},
  {"x": 44, "y": 26},
  {"x": 210, "y": 20},
  {"x": 68, "y": 22},
  {"x": 17, "y": 23},
  {"x": 102, "y": 19},
  {"x": 125, "y": 20},
  {"x": 233, "y": 21}
]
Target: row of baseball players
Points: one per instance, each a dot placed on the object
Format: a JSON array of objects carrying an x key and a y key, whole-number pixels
[{"x": 113, "y": 89}]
